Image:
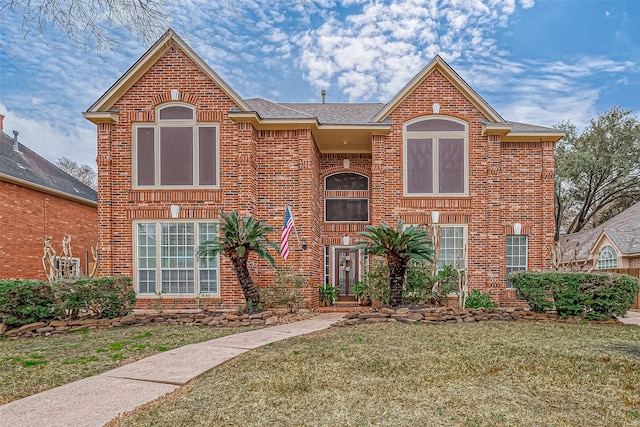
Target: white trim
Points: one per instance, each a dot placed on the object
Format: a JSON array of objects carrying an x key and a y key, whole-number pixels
[
  {"x": 435, "y": 136},
  {"x": 158, "y": 268}
]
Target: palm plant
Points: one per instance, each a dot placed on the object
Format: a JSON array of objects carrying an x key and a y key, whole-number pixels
[
  {"x": 240, "y": 237},
  {"x": 398, "y": 245}
]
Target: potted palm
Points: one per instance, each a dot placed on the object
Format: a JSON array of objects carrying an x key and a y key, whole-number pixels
[
  {"x": 328, "y": 294},
  {"x": 362, "y": 292}
]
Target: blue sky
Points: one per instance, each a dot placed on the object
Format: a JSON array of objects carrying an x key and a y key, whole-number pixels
[{"x": 534, "y": 61}]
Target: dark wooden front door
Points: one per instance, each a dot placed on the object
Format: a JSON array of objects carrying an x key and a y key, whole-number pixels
[{"x": 346, "y": 272}]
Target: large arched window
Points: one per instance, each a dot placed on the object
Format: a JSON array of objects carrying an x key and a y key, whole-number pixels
[
  {"x": 346, "y": 208},
  {"x": 176, "y": 152},
  {"x": 435, "y": 156},
  {"x": 608, "y": 258}
]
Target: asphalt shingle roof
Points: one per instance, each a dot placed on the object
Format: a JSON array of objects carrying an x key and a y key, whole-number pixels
[
  {"x": 623, "y": 230},
  {"x": 27, "y": 165},
  {"x": 326, "y": 113}
]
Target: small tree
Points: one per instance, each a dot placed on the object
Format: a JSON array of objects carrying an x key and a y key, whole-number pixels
[
  {"x": 240, "y": 237},
  {"x": 398, "y": 246}
]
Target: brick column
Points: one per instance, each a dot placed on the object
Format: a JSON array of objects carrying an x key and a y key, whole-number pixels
[{"x": 105, "y": 195}]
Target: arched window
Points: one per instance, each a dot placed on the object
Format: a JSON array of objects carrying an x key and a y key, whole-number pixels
[
  {"x": 176, "y": 152},
  {"x": 435, "y": 156},
  {"x": 608, "y": 258},
  {"x": 346, "y": 209}
]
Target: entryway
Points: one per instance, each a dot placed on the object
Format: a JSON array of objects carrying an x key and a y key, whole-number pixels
[{"x": 346, "y": 271}]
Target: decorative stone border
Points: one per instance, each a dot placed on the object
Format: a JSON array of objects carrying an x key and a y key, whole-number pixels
[
  {"x": 213, "y": 319},
  {"x": 451, "y": 314}
]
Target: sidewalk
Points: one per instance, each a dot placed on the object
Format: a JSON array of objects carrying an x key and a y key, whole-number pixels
[
  {"x": 632, "y": 318},
  {"x": 96, "y": 400}
]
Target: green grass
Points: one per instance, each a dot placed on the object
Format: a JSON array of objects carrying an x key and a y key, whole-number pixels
[
  {"x": 29, "y": 366},
  {"x": 482, "y": 374}
]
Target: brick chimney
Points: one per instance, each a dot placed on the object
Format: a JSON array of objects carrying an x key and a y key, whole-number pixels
[{"x": 1, "y": 123}]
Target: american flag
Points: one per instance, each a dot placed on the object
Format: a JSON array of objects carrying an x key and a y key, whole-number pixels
[{"x": 287, "y": 226}]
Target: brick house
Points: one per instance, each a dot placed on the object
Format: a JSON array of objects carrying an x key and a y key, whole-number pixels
[
  {"x": 172, "y": 133},
  {"x": 614, "y": 244},
  {"x": 38, "y": 199}
]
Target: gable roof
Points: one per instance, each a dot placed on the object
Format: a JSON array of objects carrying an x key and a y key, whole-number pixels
[
  {"x": 623, "y": 230},
  {"x": 28, "y": 169},
  {"x": 142, "y": 65},
  {"x": 439, "y": 64}
]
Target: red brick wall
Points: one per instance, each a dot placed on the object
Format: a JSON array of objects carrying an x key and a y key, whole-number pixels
[
  {"x": 27, "y": 216},
  {"x": 263, "y": 170}
]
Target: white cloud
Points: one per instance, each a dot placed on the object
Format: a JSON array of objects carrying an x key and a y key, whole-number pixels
[{"x": 77, "y": 143}]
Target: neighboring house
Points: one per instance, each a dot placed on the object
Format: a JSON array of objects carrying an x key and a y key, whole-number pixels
[
  {"x": 176, "y": 145},
  {"x": 613, "y": 244},
  {"x": 38, "y": 199}
]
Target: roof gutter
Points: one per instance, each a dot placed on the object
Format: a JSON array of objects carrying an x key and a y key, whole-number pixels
[{"x": 47, "y": 190}]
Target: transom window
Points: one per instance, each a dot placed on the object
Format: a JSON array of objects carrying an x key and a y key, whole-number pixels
[
  {"x": 176, "y": 152},
  {"x": 435, "y": 156},
  {"x": 517, "y": 254},
  {"x": 346, "y": 209},
  {"x": 166, "y": 258},
  {"x": 608, "y": 258}
]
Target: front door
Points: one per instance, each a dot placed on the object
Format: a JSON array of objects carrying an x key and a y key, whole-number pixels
[{"x": 346, "y": 273}]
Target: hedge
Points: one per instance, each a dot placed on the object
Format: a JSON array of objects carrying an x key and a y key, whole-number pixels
[
  {"x": 590, "y": 295},
  {"x": 28, "y": 301}
]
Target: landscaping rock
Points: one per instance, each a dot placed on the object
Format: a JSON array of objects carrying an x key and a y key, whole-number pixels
[
  {"x": 270, "y": 321},
  {"x": 45, "y": 329},
  {"x": 129, "y": 319},
  {"x": 31, "y": 327}
]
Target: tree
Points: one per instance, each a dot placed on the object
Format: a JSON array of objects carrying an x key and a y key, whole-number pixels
[
  {"x": 398, "y": 245},
  {"x": 598, "y": 171},
  {"x": 89, "y": 22},
  {"x": 240, "y": 237},
  {"x": 83, "y": 173}
]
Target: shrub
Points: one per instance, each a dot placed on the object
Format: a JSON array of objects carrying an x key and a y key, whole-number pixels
[
  {"x": 419, "y": 284},
  {"x": 286, "y": 291},
  {"x": 26, "y": 301},
  {"x": 376, "y": 278},
  {"x": 477, "y": 299},
  {"x": 595, "y": 296},
  {"x": 105, "y": 297}
]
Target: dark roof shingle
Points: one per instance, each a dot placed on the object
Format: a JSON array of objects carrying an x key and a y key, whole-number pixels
[{"x": 29, "y": 166}]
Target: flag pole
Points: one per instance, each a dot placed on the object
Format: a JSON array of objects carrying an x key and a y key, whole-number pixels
[{"x": 295, "y": 228}]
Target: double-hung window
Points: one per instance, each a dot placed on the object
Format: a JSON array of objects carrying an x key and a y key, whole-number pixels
[
  {"x": 176, "y": 151},
  {"x": 452, "y": 247},
  {"x": 517, "y": 254},
  {"x": 436, "y": 157},
  {"x": 167, "y": 262}
]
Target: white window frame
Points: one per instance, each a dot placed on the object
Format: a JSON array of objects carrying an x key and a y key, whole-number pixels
[
  {"x": 508, "y": 258},
  {"x": 60, "y": 261},
  {"x": 435, "y": 136},
  {"x": 156, "y": 149},
  {"x": 465, "y": 246},
  {"x": 158, "y": 267},
  {"x": 610, "y": 262}
]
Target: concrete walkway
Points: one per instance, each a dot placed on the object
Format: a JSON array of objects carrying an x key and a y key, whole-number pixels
[
  {"x": 632, "y": 318},
  {"x": 97, "y": 400}
]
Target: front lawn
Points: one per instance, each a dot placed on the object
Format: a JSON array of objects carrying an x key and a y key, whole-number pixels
[
  {"x": 29, "y": 366},
  {"x": 478, "y": 374}
]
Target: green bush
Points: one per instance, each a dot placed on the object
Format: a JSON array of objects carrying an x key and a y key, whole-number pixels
[
  {"x": 477, "y": 299},
  {"x": 105, "y": 297},
  {"x": 26, "y": 301},
  {"x": 376, "y": 279},
  {"x": 591, "y": 295},
  {"x": 286, "y": 291},
  {"x": 419, "y": 284}
]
